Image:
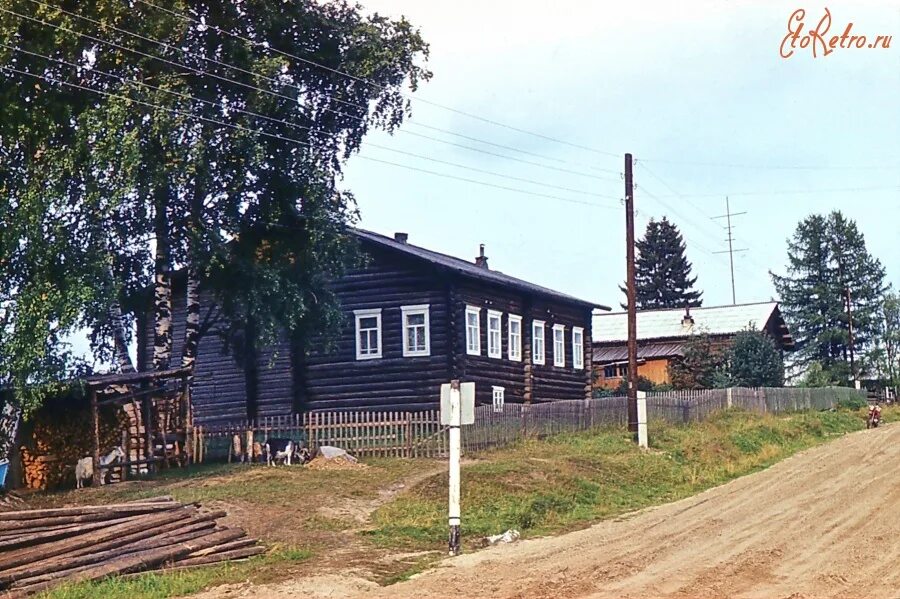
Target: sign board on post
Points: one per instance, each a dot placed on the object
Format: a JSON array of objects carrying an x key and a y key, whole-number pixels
[
  {"x": 642, "y": 419},
  {"x": 466, "y": 403},
  {"x": 457, "y": 408}
]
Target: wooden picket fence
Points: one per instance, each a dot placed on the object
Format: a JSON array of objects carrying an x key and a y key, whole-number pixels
[{"x": 420, "y": 434}]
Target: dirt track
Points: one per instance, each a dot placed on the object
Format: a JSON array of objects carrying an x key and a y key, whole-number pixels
[{"x": 823, "y": 523}]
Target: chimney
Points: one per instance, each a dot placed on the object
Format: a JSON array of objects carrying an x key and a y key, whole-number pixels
[
  {"x": 401, "y": 237},
  {"x": 687, "y": 320},
  {"x": 481, "y": 260}
]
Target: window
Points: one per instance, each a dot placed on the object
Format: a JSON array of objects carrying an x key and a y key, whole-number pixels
[
  {"x": 494, "y": 326},
  {"x": 537, "y": 341},
  {"x": 416, "y": 335},
  {"x": 515, "y": 338},
  {"x": 497, "y": 395},
  {"x": 368, "y": 334},
  {"x": 473, "y": 331},
  {"x": 559, "y": 345},
  {"x": 613, "y": 371},
  {"x": 578, "y": 348}
]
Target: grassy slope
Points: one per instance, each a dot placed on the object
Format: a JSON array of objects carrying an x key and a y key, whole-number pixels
[
  {"x": 572, "y": 480},
  {"x": 539, "y": 487}
]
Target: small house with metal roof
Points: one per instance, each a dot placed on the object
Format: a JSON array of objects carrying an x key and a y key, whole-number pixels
[
  {"x": 414, "y": 319},
  {"x": 662, "y": 335}
]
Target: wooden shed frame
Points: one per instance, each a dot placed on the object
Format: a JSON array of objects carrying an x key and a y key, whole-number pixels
[{"x": 149, "y": 388}]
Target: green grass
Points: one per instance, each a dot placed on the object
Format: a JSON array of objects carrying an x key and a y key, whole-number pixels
[
  {"x": 538, "y": 487},
  {"x": 569, "y": 481},
  {"x": 161, "y": 585}
]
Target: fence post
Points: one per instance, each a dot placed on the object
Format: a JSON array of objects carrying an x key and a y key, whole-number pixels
[
  {"x": 642, "y": 419},
  {"x": 728, "y": 399}
]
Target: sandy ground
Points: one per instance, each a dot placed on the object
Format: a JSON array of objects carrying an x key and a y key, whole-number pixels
[{"x": 824, "y": 523}]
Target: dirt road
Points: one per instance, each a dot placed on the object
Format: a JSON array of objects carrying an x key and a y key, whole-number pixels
[{"x": 823, "y": 523}]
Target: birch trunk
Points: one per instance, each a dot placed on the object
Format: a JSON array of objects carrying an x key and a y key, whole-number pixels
[
  {"x": 192, "y": 319},
  {"x": 123, "y": 358},
  {"x": 162, "y": 291}
]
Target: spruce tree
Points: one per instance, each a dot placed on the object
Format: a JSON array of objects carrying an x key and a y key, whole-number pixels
[
  {"x": 827, "y": 258},
  {"x": 662, "y": 272}
]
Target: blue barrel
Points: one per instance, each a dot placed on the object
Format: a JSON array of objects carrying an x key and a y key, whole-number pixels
[{"x": 4, "y": 467}]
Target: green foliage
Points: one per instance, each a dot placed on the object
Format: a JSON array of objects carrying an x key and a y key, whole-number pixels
[
  {"x": 662, "y": 272},
  {"x": 91, "y": 184},
  {"x": 883, "y": 361},
  {"x": 704, "y": 365},
  {"x": 852, "y": 403},
  {"x": 817, "y": 376},
  {"x": 755, "y": 361},
  {"x": 826, "y": 257}
]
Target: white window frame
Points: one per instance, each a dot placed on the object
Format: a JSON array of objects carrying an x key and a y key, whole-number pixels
[
  {"x": 368, "y": 313},
  {"x": 559, "y": 357},
  {"x": 492, "y": 351},
  {"x": 405, "y": 311},
  {"x": 498, "y": 397},
  {"x": 578, "y": 348},
  {"x": 536, "y": 356},
  {"x": 473, "y": 349},
  {"x": 514, "y": 346}
]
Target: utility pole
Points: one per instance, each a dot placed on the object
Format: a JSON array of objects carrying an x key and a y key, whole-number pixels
[
  {"x": 728, "y": 214},
  {"x": 630, "y": 294}
]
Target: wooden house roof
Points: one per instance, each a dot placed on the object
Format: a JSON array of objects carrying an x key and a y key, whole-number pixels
[{"x": 469, "y": 269}]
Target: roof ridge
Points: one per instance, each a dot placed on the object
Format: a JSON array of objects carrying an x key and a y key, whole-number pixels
[
  {"x": 469, "y": 269},
  {"x": 701, "y": 308}
]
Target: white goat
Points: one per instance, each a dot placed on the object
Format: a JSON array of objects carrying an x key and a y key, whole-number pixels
[{"x": 84, "y": 469}]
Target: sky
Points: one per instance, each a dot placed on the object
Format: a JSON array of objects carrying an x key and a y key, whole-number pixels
[{"x": 699, "y": 94}]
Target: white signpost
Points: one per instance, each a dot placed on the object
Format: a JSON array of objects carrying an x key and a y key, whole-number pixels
[
  {"x": 642, "y": 419},
  {"x": 457, "y": 408}
]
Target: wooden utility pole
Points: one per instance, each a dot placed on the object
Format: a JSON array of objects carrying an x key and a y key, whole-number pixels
[
  {"x": 630, "y": 294},
  {"x": 728, "y": 214}
]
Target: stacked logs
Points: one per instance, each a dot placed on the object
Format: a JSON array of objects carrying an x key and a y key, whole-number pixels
[
  {"x": 61, "y": 437},
  {"x": 40, "y": 549}
]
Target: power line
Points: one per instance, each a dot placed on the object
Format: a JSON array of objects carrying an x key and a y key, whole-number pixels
[
  {"x": 790, "y": 192},
  {"x": 283, "y": 96},
  {"x": 694, "y": 243},
  {"x": 774, "y": 166},
  {"x": 376, "y": 85},
  {"x": 301, "y": 143},
  {"x": 666, "y": 185},
  {"x": 310, "y": 129}
]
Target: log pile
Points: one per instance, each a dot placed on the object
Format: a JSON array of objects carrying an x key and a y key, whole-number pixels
[
  {"x": 40, "y": 549},
  {"x": 60, "y": 438}
]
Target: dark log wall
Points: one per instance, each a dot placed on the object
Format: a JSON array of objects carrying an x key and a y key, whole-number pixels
[
  {"x": 281, "y": 380},
  {"x": 275, "y": 381},
  {"x": 337, "y": 380},
  {"x": 523, "y": 381},
  {"x": 219, "y": 391},
  {"x": 487, "y": 372},
  {"x": 554, "y": 382}
]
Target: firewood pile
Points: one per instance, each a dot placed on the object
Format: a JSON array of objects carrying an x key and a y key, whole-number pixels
[
  {"x": 40, "y": 549},
  {"x": 61, "y": 438}
]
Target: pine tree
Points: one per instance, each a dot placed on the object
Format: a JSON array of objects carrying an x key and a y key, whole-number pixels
[
  {"x": 827, "y": 257},
  {"x": 662, "y": 272}
]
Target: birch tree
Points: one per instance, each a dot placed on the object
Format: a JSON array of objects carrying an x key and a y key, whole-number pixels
[{"x": 214, "y": 154}]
